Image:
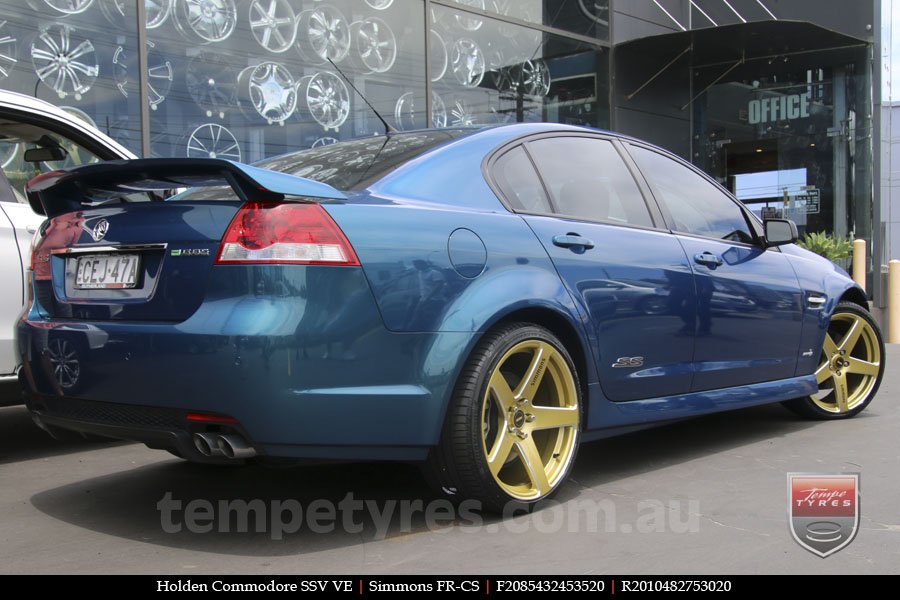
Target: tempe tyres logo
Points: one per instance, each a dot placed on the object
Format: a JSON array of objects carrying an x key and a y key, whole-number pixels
[{"x": 823, "y": 510}]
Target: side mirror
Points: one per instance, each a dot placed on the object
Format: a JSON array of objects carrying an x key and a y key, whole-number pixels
[
  {"x": 45, "y": 154},
  {"x": 779, "y": 232}
]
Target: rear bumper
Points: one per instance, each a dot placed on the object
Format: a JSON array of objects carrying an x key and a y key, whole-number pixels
[{"x": 302, "y": 379}]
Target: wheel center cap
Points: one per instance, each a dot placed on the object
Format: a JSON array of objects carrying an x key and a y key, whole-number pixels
[{"x": 518, "y": 419}]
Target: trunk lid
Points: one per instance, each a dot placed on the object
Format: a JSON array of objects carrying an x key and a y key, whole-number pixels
[{"x": 104, "y": 256}]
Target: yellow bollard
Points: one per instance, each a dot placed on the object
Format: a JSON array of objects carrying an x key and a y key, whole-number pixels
[
  {"x": 894, "y": 302},
  {"x": 859, "y": 263}
]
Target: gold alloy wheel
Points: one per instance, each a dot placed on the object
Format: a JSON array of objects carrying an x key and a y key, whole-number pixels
[
  {"x": 850, "y": 364},
  {"x": 530, "y": 419}
]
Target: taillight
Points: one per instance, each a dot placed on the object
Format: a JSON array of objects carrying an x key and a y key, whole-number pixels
[
  {"x": 284, "y": 233},
  {"x": 59, "y": 232}
]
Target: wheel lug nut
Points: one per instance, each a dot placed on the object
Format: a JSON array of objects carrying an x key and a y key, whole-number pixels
[
  {"x": 529, "y": 418},
  {"x": 522, "y": 435}
]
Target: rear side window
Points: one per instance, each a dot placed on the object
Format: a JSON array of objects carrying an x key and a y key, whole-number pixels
[
  {"x": 517, "y": 179},
  {"x": 589, "y": 180},
  {"x": 697, "y": 206}
]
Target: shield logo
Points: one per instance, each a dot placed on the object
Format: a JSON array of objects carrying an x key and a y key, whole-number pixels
[
  {"x": 823, "y": 510},
  {"x": 99, "y": 230}
]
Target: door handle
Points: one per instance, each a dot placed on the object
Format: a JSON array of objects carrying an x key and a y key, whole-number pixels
[
  {"x": 709, "y": 259},
  {"x": 572, "y": 240}
]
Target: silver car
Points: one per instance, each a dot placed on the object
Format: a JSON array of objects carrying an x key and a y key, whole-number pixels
[{"x": 35, "y": 137}]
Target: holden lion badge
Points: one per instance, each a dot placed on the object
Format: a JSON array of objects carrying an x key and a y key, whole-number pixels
[{"x": 823, "y": 510}]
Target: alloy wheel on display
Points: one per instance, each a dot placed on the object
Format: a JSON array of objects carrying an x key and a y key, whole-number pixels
[
  {"x": 273, "y": 24},
  {"x": 212, "y": 140},
  {"x": 323, "y": 33},
  {"x": 64, "y": 61},
  {"x": 208, "y": 21},
  {"x": 8, "y": 50}
]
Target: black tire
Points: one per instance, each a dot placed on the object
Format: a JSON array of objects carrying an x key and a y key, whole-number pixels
[
  {"x": 459, "y": 466},
  {"x": 867, "y": 352}
]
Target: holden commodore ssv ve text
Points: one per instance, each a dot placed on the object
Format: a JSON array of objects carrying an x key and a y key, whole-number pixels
[{"x": 479, "y": 300}]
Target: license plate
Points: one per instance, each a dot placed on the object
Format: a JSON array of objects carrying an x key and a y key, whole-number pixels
[{"x": 107, "y": 271}]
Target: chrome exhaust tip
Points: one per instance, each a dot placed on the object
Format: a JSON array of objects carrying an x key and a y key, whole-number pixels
[
  {"x": 205, "y": 443},
  {"x": 234, "y": 446}
]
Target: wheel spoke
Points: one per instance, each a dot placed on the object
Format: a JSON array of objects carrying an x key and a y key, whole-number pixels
[
  {"x": 841, "y": 395},
  {"x": 502, "y": 391},
  {"x": 862, "y": 367},
  {"x": 829, "y": 347},
  {"x": 534, "y": 466},
  {"x": 499, "y": 454},
  {"x": 823, "y": 372},
  {"x": 849, "y": 341},
  {"x": 547, "y": 417},
  {"x": 533, "y": 376}
]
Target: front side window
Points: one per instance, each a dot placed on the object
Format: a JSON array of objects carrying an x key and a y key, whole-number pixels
[
  {"x": 589, "y": 180},
  {"x": 696, "y": 205}
]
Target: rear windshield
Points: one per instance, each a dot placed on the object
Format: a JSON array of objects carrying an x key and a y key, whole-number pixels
[{"x": 347, "y": 165}]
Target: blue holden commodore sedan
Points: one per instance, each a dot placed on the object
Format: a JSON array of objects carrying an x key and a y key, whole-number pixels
[{"x": 478, "y": 300}]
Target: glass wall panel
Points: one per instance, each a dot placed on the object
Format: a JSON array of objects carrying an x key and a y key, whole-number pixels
[
  {"x": 487, "y": 71},
  {"x": 68, "y": 52},
  {"x": 257, "y": 78},
  {"x": 584, "y": 17}
]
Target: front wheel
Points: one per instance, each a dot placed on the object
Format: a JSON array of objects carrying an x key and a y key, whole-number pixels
[
  {"x": 513, "y": 424},
  {"x": 850, "y": 369}
]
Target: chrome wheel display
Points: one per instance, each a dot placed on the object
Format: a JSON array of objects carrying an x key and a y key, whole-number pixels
[
  {"x": 65, "y": 7},
  {"x": 270, "y": 89},
  {"x": 211, "y": 140},
  {"x": 467, "y": 62},
  {"x": 273, "y": 24},
  {"x": 595, "y": 11},
  {"x": 467, "y": 21},
  {"x": 212, "y": 83},
  {"x": 406, "y": 116},
  {"x": 208, "y": 20},
  {"x": 7, "y": 50},
  {"x": 327, "y": 99},
  {"x": 379, "y": 4},
  {"x": 323, "y": 33},
  {"x": 461, "y": 114},
  {"x": 850, "y": 364},
  {"x": 534, "y": 76},
  {"x": 437, "y": 53},
  {"x": 160, "y": 74},
  {"x": 375, "y": 44},
  {"x": 157, "y": 12},
  {"x": 64, "y": 61}
]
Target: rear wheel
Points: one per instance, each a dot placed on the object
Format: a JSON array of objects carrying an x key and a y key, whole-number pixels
[
  {"x": 513, "y": 425},
  {"x": 850, "y": 369}
]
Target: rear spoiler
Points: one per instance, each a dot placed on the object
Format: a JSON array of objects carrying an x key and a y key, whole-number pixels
[{"x": 68, "y": 190}]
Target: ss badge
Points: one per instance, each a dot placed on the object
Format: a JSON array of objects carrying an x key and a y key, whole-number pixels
[{"x": 628, "y": 362}]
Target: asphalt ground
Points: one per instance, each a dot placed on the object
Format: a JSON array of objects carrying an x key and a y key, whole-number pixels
[{"x": 706, "y": 496}]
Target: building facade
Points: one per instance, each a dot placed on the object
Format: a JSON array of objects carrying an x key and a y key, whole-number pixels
[{"x": 773, "y": 98}]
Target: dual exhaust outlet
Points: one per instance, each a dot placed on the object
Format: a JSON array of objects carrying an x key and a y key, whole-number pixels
[{"x": 228, "y": 445}]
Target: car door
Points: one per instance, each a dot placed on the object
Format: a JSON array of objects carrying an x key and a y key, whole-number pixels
[
  {"x": 748, "y": 297},
  {"x": 630, "y": 278}
]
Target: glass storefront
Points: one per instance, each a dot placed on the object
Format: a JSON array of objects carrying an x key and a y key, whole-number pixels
[
  {"x": 790, "y": 135},
  {"x": 249, "y": 79}
]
